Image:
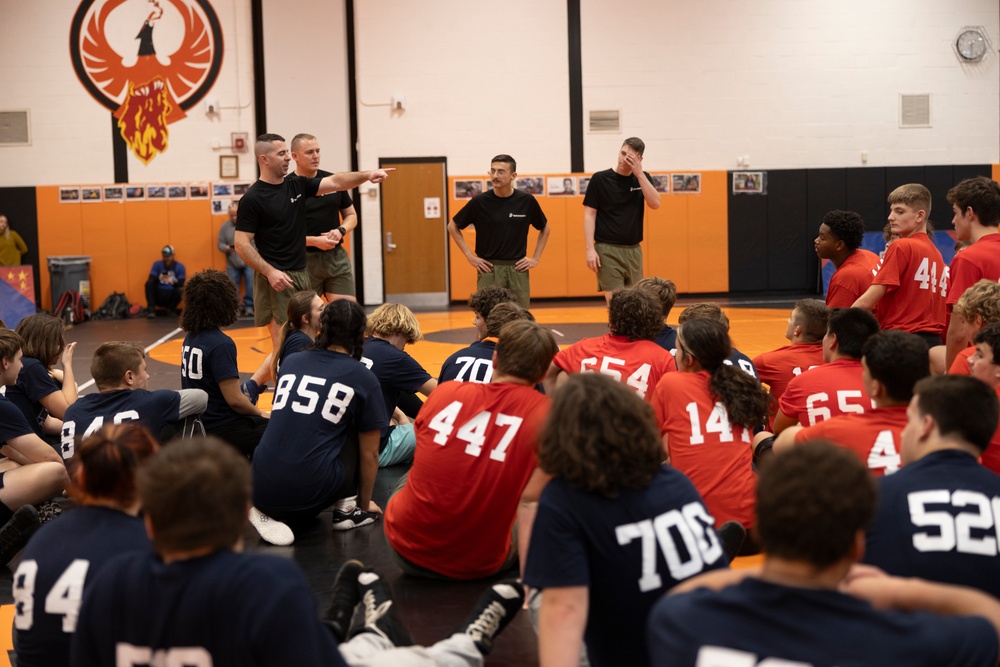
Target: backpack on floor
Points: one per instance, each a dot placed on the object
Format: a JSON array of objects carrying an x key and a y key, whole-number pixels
[
  {"x": 71, "y": 307},
  {"x": 115, "y": 307}
]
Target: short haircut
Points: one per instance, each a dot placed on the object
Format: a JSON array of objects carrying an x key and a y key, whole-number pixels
[
  {"x": 483, "y": 301},
  {"x": 812, "y": 315},
  {"x": 982, "y": 299},
  {"x": 665, "y": 291},
  {"x": 508, "y": 160},
  {"x": 10, "y": 344},
  {"x": 263, "y": 143},
  {"x": 705, "y": 310},
  {"x": 105, "y": 464},
  {"x": 111, "y": 360},
  {"x": 980, "y": 193},
  {"x": 811, "y": 503},
  {"x": 196, "y": 494},
  {"x": 501, "y": 314},
  {"x": 390, "y": 319},
  {"x": 847, "y": 226},
  {"x": 635, "y": 314},
  {"x": 636, "y": 144},
  {"x": 898, "y": 360},
  {"x": 210, "y": 301},
  {"x": 343, "y": 324},
  {"x": 299, "y": 138},
  {"x": 961, "y": 406},
  {"x": 43, "y": 337},
  {"x": 852, "y": 327},
  {"x": 524, "y": 350},
  {"x": 990, "y": 334},
  {"x": 600, "y": 436},
  {"x": 913, "y": 195}
]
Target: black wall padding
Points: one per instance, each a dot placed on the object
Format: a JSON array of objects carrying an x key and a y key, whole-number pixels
[
  {"x": 747, "y": 241},
  {"x": 866, "y": 195},
  {"x": 21, "y": 209},
  {"x": 788, "y": 245}
]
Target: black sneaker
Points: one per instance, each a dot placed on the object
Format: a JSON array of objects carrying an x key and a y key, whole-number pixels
[
  {"x": 344, "y": 599},
  {"x": 379, "y": 615},
  {"x": 15, "y": 533},
  {"x": 731, "y": 534},
  {"x": 494, "y": 610},
  {"x": 349, "y": 520}
]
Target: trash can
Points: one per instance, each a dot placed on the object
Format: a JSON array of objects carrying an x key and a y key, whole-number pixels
[{"x": 70, "y": 272}]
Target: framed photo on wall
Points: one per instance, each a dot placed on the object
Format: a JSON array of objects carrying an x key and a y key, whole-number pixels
[
  {"x": 229, "y": 166},
  {"x": 749, "y": 182}
]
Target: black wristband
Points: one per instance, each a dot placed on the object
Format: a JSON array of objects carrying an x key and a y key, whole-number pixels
[{"x": 343, "y": 232}]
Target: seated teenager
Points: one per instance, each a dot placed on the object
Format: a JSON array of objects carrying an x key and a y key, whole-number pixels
[
  {"x": 63, "y": 557},
  {"x": 713, "y": 311},
  {"x": 42, "y": 392},
  {"x": 119, "y": 371},
  {"x": 664, "y": 291},
  {"x": 475, "y": 363},
  {"x": 453, "y": 517},
  {"x": 978, "y": 306},
  {"x": 810, "y": 604},
  {"x": 32, "y": 472},
  {"x": 321, "y": 444},
  {"x": 391, "y": 327},
  {"x": 593, "y": 553},
  {"x": 627, "y": 353}
]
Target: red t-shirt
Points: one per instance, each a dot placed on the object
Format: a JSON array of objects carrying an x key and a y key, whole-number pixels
[
  {"x": 826, "y": 391},
  {"x": 916, "y": 279},
  {"x": 852, "y": 279},
  {"x": 777, "y": 367},
  {"x": 874, "y": 436},
  {"x": 702, "y": 444},
  {"x": 639, "y": 364},
  {"x": 991, "y": 457},
  {"x": 961, "y": 364},
  {"x": 980, "y": 260},
  {"x": 475, "y": 452}
]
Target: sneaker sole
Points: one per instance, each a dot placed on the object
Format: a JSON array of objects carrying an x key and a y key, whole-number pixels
[{"x": 351, "y": 524}]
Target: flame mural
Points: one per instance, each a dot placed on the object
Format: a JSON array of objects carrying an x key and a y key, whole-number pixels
[{"x": 156, "y": 88}]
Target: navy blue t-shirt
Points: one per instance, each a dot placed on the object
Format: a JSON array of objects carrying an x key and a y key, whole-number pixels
[
  {"x": 61, "y": 560},
  {"x": 225, "y": 609},
  {"x": 276, "y": 216},
  {"x": 667, "y": 339},
  {"x": 207, "y": 358},
  {"x": 33, "y": 384},
  {"x": 471, "y": 364},
  {"x": 176, "y": 270},
  {"x": 322, "y": 400},
  {"x": 12, "y": 421},
  {"x": 935, "y": 520},
  {"x": 398, "y": 373},
  {"x": 295, "y": 341},
  {"x": 154, "y": 409},
  {"x": 754, "y": 620},
  {"x": 736, "y": 358},
  {"x": 628, "y": 550}
]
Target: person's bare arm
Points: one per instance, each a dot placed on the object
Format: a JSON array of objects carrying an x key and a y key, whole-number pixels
[
  {"x": 526, "y": 263},
  {"x": 589, "y": 224},
  {"x": 649, "y": 192},
  {"x": 477, "y": 262},
  {"x": 958, "y": 339},
  {"x": 351, "y": 179},
  {"x": 786, "y": 439},
  {"x": 871, "y": 297},
  {"x": 239, "y": 403},
  {"x": 561, "y": 622},
  {"x": 527, "y": 507},
  {"x": 783, "y": 421},
  {"x": 279, "y": 280},
  {"x": 367, "y": 469},
  {"x": 550, "y": 381},
  {"x": 429, "y": 386},
  {"x": 57, "y": 402},
  {"x": 29, "y": 448}
]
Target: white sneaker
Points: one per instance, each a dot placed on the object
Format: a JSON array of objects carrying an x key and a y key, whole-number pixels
[{"x": 271, "y": 530}]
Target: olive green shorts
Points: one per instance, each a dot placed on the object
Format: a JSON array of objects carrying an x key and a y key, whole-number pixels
[
  {"x": 505, "y": 275},
  {"x": 330, "y": 272},
  {"x": 268, "y": 304},
  {"x": 621, "y": 266}
]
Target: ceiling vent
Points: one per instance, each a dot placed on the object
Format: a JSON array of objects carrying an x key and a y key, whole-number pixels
[
  {"x": 14, "y": 128},
  {"x": 605, "y": 121},
  {"x": 915, "y": 110}
]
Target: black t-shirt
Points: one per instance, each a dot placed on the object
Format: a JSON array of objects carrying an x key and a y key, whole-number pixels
[
  {"x": 276, "y": 216},
  {"x": 620, "y": 207},
  {"x": 323, "y": 213},
  {"x": 502, "y": 223}
]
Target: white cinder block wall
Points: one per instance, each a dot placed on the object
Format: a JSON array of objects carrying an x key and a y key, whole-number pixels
[{"x": 788, "y": 83}]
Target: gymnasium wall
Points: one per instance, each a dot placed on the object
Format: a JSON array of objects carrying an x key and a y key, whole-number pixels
[{"x": 788, "y": 86}]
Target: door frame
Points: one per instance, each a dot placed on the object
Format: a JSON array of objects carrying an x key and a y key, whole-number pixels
[{"x": 444, "y": 208}]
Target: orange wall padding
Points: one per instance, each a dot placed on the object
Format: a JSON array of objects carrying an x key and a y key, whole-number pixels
[
  {"x": 686, "y": 240},
  {"x": 123, "y": 240}
]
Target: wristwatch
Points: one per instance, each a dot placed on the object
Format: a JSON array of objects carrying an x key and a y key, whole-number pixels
[{"x": 343, "y": 232}]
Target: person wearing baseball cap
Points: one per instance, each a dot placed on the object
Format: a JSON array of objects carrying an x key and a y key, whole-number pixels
[{"x": 165, "y": 284}]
